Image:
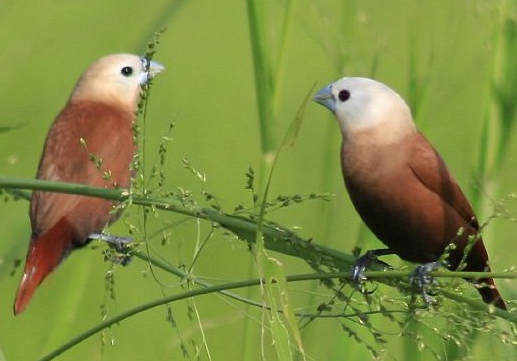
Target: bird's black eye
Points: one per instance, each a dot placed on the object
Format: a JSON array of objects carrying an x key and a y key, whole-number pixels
[
  {"x": 126, "y": 71},
  {"x": 344, "y": 95}
]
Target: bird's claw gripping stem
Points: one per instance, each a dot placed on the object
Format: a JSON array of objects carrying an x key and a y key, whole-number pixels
[
  {"x": 362, "y": 263},
  {"x": 420, "y": 279},
  {"x": 120, "y": 244}
]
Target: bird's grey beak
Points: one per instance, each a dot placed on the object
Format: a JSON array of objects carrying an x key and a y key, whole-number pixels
[
  {"x": 324, "y": 97},
  {"x": 151, "y": 69},
  {"x": 155, "y": 68}
]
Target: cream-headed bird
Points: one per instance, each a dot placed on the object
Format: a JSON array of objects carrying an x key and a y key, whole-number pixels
[
  {"x": 96, "y": 123},
  {"x": 399, "y": 184}
]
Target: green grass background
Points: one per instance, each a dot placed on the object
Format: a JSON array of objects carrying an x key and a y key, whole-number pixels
[{"x": 440, "y": 55}]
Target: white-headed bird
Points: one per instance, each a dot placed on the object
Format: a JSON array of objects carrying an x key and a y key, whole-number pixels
[
  {"x": 399, "y": 184},
  {"x": 90, "y": 142}
]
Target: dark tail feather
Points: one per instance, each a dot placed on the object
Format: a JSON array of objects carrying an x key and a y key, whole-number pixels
[
  {"x": 477, "y": 261},
  {"x": 490, "y": 294},
  {"x": 44, "y": 255}
]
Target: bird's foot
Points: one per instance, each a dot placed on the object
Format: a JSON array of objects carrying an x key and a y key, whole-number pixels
[
  {"x": 119, "y": 244},
  {"x": 421, "y": 279},
  {"x": 357, "y": 273}
]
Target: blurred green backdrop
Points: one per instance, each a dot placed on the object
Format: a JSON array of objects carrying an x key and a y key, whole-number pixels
[{"x": 441, "y": 56}]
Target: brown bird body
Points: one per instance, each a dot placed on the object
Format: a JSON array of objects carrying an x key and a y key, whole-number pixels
[
  {"x": 90, "y": 142},
  {"x": 399, "y": 184}
]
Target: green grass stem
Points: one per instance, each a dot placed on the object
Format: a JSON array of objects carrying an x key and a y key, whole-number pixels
[
  {"x": 276, "y": 238},
  {"x": 256, "y": 282}
]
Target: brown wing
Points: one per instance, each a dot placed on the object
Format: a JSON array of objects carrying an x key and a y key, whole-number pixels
[
  {"x": 430, "y": 169},
  {"x": 107, "y": 135},
  {"x": 458, "y": 216},
  {"x": 61, "y": 222}
]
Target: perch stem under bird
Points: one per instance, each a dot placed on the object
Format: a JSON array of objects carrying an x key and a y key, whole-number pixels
[
  {"x": 90, "y": 142},
  {"x": 400, "y": 185}
]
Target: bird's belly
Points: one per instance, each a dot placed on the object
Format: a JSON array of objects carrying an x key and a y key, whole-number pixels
[{"x": 412, "y": 221}]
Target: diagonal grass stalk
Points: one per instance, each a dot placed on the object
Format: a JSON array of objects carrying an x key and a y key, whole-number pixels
[
  {"x": 267, "y": 75},
  {"x": 272, "y": 271}
]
